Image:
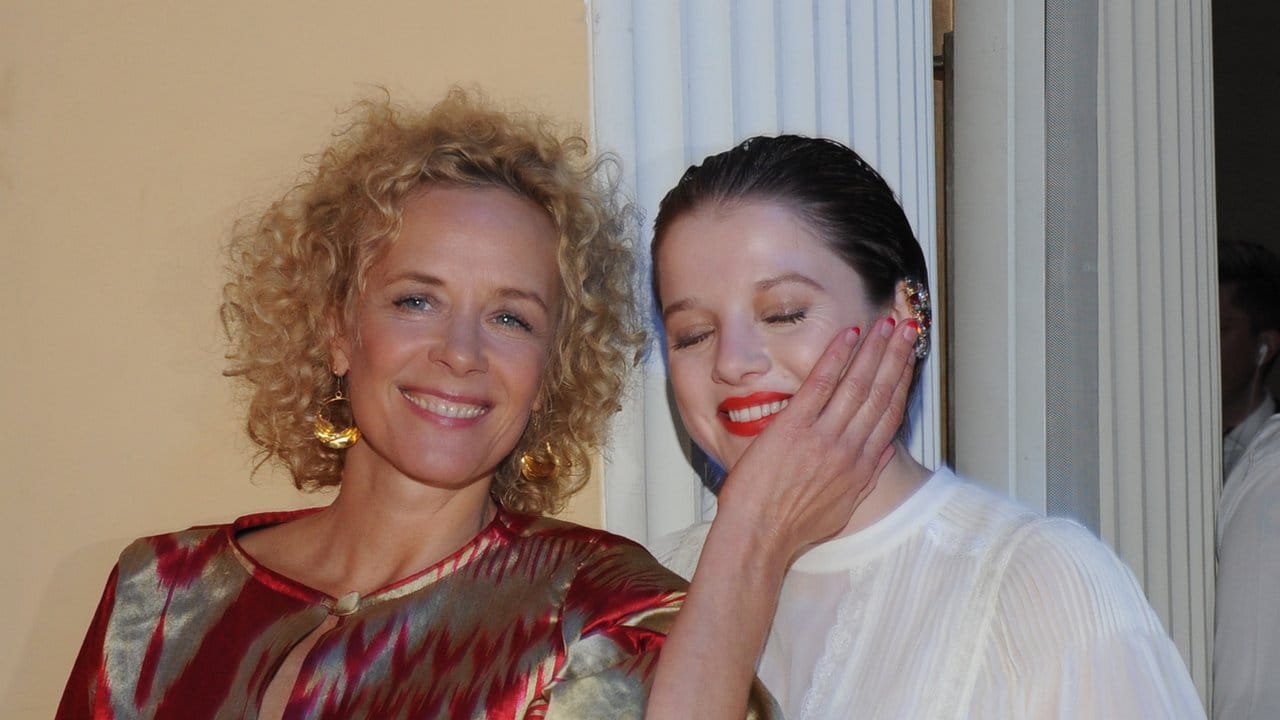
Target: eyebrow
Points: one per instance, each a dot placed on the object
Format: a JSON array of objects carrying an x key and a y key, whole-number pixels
[
  {"x": 518, "y": 294},
  {"x": 509, "y": 293},
  {"x": 761, "y": 286},
  {"x": 676, "y": 307},
  {"x": 791, "y": 277}
]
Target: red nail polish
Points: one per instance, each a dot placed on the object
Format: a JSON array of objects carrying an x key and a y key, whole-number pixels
[
  {"x": 913, "y": 324},
  {"x": 886, "y": 328}
]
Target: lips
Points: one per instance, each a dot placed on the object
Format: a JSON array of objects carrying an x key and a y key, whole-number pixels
[
  {"x": 446, "y": 409},
  {"x": 749, "y": 415}
]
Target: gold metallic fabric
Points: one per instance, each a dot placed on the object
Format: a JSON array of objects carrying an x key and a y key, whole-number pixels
[{"x": 534, "y": 618}]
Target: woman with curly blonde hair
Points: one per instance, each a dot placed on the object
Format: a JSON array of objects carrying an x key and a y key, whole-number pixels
[
  {"x": 438, "y": 319},
  {"x": 298, "y": 272}
]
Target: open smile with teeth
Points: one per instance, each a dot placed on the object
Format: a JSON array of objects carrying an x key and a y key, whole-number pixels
[
  {"x": 445, "y": 408},
  {"x": 755, "y": 412}
]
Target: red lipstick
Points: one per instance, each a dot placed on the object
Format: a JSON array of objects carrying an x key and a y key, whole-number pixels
[{"x": 748, "y": 428}]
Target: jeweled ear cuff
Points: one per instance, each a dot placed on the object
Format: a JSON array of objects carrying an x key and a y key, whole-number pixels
[{"x": 922, "y": 312}]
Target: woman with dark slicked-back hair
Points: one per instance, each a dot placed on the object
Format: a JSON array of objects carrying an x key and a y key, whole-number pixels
[{"x": 934, "y": 598}]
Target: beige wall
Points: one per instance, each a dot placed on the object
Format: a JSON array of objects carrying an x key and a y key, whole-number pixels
[{"x": 130, "y": 138}]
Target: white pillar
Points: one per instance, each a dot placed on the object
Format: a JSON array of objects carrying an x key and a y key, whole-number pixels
[
  {"x": 1160, "y": 449},
  {"x": 998, "y": 247},
  {"x": 1143, "y": 347},
  {"x": 676, "y": 80}
]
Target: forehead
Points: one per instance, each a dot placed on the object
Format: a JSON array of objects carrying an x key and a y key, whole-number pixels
[
  {"x": 482, "y": 230},
  {"x": 447, "y": 210},
  {"x": 748, "y": 241}
]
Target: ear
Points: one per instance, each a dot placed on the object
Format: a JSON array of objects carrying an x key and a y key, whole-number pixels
[
  {"x": 900, "y": 311},
  {"x": 542, "y": 398},
  {"x": 339, "y": 348}
]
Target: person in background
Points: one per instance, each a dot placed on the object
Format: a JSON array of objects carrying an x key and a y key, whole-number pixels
[
  {"x": 1249, "y": 319},
  {"x": 1246, "y": 651}
]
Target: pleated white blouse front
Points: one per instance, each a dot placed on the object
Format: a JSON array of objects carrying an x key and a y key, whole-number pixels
[{"x": 962, "y": 604}]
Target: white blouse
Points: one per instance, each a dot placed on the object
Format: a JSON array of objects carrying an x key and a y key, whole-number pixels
[{"x": 960, "y": 603}]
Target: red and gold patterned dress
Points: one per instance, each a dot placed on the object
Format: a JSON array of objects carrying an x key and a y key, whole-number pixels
[{"x": 534, "y": 618}]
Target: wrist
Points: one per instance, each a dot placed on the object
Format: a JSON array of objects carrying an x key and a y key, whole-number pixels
[{"x": 744, "y": 544}]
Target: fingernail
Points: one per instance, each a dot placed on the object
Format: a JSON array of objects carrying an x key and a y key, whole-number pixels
[
  {"x": 851, "y": 335},
  {"x": 911, "y": 329},
  {"x": 886, "y": 327}
]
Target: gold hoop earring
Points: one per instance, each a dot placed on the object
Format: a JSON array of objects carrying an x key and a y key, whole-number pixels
[
  {"x": 922, "y": 312},
  {"x": 329, "y": 434},
  {"x": 540, "y": 469}
]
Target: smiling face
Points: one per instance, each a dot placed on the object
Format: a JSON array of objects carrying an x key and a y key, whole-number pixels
[
  {"x": 750, "y": 299},
  {"x": 452, "y": 336}
]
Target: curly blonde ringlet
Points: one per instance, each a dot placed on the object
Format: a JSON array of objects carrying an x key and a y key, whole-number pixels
[{"x": 297, "y": 270}]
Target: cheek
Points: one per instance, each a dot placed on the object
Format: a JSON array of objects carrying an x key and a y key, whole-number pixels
[
  {"x": 692, "y": 389},
  {"x": 372, "y": 361},
  {"x": 1238, "y": 355},
  {"x": 524, "y": 367},
  {"x": 800, "y": 352},
  {"x": 690, "y": 377}
]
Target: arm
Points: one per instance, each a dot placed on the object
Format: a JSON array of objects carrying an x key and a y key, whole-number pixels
[
  {"x": 798, "y": 483},
  {"x": 618, "y": 612}
]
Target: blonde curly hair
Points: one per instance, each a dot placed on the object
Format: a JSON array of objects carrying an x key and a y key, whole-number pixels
[{"x": 302, "y": 263}]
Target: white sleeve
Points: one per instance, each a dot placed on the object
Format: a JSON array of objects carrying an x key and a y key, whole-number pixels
[
  {"x": 679, "y": 551},
  {"x": 1074, "y": 637},
  {"x": 1246, "y": 652}
]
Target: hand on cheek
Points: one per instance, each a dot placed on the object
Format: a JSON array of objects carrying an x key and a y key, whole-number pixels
[{"x": 801, "y": 479}]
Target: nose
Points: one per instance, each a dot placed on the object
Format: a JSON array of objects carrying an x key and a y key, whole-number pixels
[
  {"x": 740, "y": 355},
  {"x": 461, "y": 347}
]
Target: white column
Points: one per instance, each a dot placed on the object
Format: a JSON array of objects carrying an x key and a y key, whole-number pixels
[
  {"x": 676, "y": 80},
  {"x": 1157, "y": 443},
  {"x": 998, "y": 250},
  {"x": 1160, "y": 449}
]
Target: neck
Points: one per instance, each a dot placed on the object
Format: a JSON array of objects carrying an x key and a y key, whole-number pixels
[
  {"x": 897, "y": 482},
  {"x": 381, "y": 528},
  {"x": 1239, "y": 407}
]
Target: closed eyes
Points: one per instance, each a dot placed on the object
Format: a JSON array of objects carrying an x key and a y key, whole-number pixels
[{"x": 787, "y": 318}]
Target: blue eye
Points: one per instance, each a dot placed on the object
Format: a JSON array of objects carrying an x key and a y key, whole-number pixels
[
  {"x": 413, "y": 302},
  {"x": 507, "y": 319}
]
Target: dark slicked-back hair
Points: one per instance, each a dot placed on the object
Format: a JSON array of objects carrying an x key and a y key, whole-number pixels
[{"x": 841, "y": 197}]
